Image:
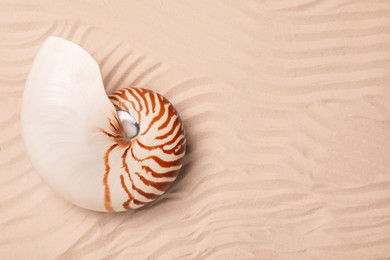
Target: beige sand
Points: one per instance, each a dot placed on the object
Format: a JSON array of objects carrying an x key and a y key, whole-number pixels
[{"x": 286, "y": 105}]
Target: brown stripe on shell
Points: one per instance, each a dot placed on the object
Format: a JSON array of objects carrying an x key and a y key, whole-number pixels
[
  {"x": 171, "y": 112},
  {"x": 139, "y": 102},
  {"x": 161, "y": 146},
  {"x": 151, "y": 95},
  {"x": 158, "y": 160},
  {"x": 127, "y": 202},
  {"x": 162, "y": 186},
  {"x": 130, "y": 91},
  {"x": 130, "y": 196},
  {"x": 125, "y": 166},
  {"x": 120, "y": 96},
  {"x": 169, "y": 174},
  {"x": 174, "y": 139},
  {"x": 107, "y": 195},
  {"x": 174, "y": 126},
  {"x": 156, "y": 118},
  {"x": 141, "y": 94}
]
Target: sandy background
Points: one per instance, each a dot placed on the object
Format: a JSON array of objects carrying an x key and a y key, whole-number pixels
[{"x": 286, "y": 105}]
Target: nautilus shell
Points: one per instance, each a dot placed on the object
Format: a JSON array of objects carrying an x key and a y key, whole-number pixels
[{"x": 101, "y": 153}]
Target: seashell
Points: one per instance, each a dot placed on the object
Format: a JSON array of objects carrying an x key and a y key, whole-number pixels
[{"x": 100, "y": 153}]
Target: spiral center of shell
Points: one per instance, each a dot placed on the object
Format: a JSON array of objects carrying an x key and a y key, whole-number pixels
[{"x": 129, "y": 124}]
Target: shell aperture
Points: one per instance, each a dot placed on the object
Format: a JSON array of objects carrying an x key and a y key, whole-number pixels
[{"x": 122, "y": 156}]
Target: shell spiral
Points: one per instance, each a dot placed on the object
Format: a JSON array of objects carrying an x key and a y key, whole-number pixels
[
  {"x": 152, "y": 159},
  {"x": 99, "y": 152}
]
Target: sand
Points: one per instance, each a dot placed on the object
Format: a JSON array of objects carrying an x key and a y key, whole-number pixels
[{"x": 287, "y": 109}]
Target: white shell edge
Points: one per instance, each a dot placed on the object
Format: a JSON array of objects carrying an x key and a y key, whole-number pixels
[{"x": 64, "y": 104}]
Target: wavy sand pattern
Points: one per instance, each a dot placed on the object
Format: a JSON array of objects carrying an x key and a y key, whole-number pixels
[{"x": 287, "y": 110}]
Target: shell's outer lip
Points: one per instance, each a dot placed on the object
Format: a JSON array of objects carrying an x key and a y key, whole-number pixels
[
  {"x": 129, "y": 124},
  {"x": 59, "y": 131}
]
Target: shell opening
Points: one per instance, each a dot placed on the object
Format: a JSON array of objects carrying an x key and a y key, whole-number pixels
[{"x": 129, "y": 124}]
